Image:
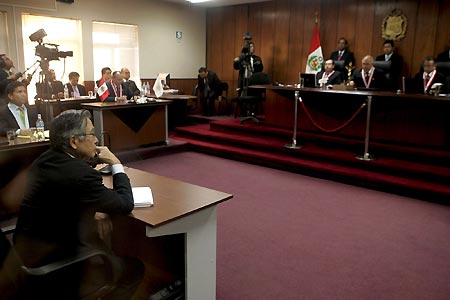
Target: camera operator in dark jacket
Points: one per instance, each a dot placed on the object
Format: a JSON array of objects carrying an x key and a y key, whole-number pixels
[{"x": 247, "y": 62}]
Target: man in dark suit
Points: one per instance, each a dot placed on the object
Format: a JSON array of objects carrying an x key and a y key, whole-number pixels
[
  {"x": 66, "y": 206},
  {"x": 73, "y": 86},
  {"x": 445, "y": 55},
  {"x": 343, "y": 54},
  {"x": 396, "y": 60},
  {"x": 117, "y": 89},
  {"x": 54, "y": 89},
  {"x": 247, "y": 62},
  {"x": 130, "y": 85},
  {"x": 329, "y": 76},
  {"x": 6, "y": 76},
  {"x": 425, "y": 80},
  {"x": 369, "y": 77},
  {"x": 209, "y": 89},
  {"x": 17, "y": 114}
]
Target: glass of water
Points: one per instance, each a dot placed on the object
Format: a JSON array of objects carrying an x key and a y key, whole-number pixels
[{"x": 11, "y": 135}]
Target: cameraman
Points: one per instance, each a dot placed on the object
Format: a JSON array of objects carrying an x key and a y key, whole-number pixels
[
  {"x": 6, "y": 75},
  {"x": 247, "y": 60}
]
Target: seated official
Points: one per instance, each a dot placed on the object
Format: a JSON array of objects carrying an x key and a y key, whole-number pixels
[
  {"x": 66, "y": 207},
  {"x": 17, "y": 114},
  {"x": 75, "y": 89},
  {"x": 117, "y": 89},
  {"x": 329, "y": 74},
  {"x": 54, "y": 89},
  {"x": 425, "y": 80},
  {"x": 106, "y": 76},
  {"x": 396, "y": 63},
  {"x": 130, "y": 85},
  {"x": 209, "y": 89},
  {"x": 369, "y": 77}
]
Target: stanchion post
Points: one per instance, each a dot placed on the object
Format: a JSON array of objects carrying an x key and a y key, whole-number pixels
[
  {"x": 366, "y": 156},
  {"x": 294, "y": 136}
]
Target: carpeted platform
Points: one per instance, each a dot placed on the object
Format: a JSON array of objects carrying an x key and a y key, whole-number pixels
[{"x": 413, "y": 171}]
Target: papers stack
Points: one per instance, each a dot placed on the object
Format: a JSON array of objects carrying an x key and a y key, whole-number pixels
[{"x": 142, "y": 196}]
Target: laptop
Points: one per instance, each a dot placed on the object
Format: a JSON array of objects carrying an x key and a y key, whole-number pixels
[{"x": 309, "y": 79}]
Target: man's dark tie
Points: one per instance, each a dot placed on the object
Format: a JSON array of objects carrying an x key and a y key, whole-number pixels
[
  {"x": 367, "y": 76},
  {"x": 340, "y": 55},
  {"x": 206, "y": 91}
]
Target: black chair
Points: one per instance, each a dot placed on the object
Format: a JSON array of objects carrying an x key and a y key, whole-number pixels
[
  {"x": 19, "y": 282},
  {"x": 443, "y": 67},
  {"x": 251, "y": 98}
]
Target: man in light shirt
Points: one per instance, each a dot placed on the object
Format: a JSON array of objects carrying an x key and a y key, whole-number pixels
[
  {"x": 78, "y": 90},
  {"x": 17, "y": 114}
]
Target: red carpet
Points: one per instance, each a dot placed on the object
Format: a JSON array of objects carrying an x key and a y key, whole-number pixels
[
  {"x": 416, "y": 172},
  {"x": 291, "y": 237}
]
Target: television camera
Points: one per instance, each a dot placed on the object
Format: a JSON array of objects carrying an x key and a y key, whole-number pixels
[{"x": 47, "y": 51}]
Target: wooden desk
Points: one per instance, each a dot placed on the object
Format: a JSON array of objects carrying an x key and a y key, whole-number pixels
[
  {"x": 14, "y": 163},
  {"x": 51, "y": 108},
  {"x": 130, "y": 125},
  {"x": 396, "y": 118},
  {"x": 188, "y": 209},
  {"x": 179, "y": 108}
]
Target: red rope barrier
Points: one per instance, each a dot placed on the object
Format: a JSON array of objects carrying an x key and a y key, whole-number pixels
[{"x": 337, "y": 128}]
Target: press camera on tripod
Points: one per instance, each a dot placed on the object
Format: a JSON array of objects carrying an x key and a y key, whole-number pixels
[{"x": 47, "y": 52}]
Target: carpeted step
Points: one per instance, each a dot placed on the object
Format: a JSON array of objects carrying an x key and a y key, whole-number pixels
[
  {"x": 388, "y": 165},
  {"x": 432, "y": 191},
  {"x": 410, "y": 152}
]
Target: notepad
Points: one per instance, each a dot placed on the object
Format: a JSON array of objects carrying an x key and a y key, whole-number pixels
[{"x": 142, "y": 196}]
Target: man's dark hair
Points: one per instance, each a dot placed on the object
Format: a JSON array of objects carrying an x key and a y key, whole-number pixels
[
  {"x": 430, "y": 58},
  {"x": 105, "y": 69},
  {"x": 345, "y": 40},
  {"x": 67, "y": 124},
  {"x": 389, "y": 42},
  {"x": 202, "y": 69},
  {"x": 73, "y": 75},
  {"x": 12, "y": 86},
  {"x": 116, "y": 73}
]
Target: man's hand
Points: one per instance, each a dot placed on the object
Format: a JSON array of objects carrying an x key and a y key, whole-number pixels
[{"x": 106, "y": 156}]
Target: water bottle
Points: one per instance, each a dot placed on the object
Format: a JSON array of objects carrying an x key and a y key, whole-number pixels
[
  {"x": 66, "y": 91},
  {"x": 143, "y": 90},
  {"x": 147, "y": 88},
  {"x": 40, "y": 128}
]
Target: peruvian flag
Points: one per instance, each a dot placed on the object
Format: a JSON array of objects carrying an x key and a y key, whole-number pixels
[
  {"x": 315, "y": 57},
  {"x": 102, "y": 90}
]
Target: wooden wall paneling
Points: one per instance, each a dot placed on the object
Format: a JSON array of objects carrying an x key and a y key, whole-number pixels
[
  {"x": 362, "y": 44},
  {"x": 214, "y": 34},
  {"x": 281, "y": 40},
  {"x": 348, "y": 16},
  {"x": 426, "y": 28},
  {"x": 296, "y": 33},
  {"x": 265, "y": 46},
  {"x": 382, "y": 9},
  {"x": 405, "y": 47},
  {"x": 228, "y": 40},
  {"x": 443, "y": 25},
  {"x": 328, "y": 19}
]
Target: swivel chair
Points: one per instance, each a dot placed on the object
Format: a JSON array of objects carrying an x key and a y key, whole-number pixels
[{"x": 19, "y": 282}]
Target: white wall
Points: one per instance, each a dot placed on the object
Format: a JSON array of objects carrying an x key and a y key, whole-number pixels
[{"x": 157, "y": 20}]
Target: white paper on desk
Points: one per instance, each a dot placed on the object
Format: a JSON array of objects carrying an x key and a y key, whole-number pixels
[{"x": 142, "y": 196}]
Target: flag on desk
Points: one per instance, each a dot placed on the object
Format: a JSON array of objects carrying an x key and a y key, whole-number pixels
[
  {"x": 102, "y": 90},
  {"x": 158, "y": 88},
  {"x": 315, "y": 57}
]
